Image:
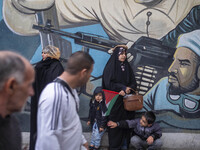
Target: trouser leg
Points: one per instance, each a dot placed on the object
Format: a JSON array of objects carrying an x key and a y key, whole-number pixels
[
  {"x": 98, "y": 137},
  {"x": 156, "y": 145},
  {"x": 138, "y": 143},
  {"x": 93, "y": 137}
]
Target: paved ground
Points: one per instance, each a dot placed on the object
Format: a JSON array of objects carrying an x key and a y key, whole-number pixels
[{"x": 171, "y": 141}]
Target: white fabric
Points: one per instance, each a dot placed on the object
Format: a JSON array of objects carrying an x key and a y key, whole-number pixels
[
  {"x": 59, "y": 126},
  {"x": 122, "y": 20},
  {"x": 190, "y": 40}
]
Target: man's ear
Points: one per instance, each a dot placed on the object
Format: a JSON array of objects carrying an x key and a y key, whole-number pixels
[
  {"x": 10, "y": 85},
  {"x": 84, "y": 71}
]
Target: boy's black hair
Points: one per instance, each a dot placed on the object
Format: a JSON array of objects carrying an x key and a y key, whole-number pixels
[{"x": 150, "y": 117}]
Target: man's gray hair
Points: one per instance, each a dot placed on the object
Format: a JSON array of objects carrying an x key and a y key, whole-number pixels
[{"x": 11, "y": 66}]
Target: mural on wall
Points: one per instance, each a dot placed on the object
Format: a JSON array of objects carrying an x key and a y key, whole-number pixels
[
  {"x": 150, "y": 28},
  {"x": 179, "y": 93}
]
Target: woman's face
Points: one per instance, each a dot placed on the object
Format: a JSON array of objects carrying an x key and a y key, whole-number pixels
[
  {"x": 44, "y": 56},
  {"x": 122, "y": 56}
]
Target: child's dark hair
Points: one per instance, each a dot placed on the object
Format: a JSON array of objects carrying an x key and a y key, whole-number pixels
[
  {"x": 150, "y": 117},
  {"x": 97, "y": 91}
]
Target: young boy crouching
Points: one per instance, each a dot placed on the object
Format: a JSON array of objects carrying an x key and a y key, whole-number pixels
[{"x": 146, "y": 133}]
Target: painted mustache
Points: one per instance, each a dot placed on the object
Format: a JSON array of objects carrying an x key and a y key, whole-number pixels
[{"x": 172, "y": 76}]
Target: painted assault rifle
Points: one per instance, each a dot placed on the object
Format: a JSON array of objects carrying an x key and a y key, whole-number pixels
[{"x": 151, "y": 58}]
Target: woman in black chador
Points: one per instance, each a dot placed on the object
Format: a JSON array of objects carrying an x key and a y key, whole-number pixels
[
  {"x": 45, "y": 72},
  {"x": 118, "y": 76}
]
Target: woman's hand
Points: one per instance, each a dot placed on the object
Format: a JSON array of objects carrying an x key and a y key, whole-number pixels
[
  {"x": 112, "y": 124},
  {"x": 122, "y": 93},
  {"x": 128, "y": 90}
]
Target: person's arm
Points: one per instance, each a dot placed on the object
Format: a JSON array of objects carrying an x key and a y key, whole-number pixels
[
  {"x": 123, "y": 124},
  {"x": 111, "y": 84},
  {"x": 49, "y": 122},
  {"x": 113, "y": 124},
  {"x": 157, "y": 133},
  {"x": 133, "y": 83},
  {"x": 91, "y": 113},
  {"x": 84, "y": 142},
  {"x": 57, "y": 70},
  {"x": 104, "y": 120},
  {"x": 48, "y": 137},
  {"x": 117, "y": 86}
]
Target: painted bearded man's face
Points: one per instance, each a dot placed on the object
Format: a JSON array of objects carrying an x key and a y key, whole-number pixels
[{"x": 183, "y": 72}]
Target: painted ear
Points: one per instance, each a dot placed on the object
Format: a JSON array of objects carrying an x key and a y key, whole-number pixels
[{"x": 198, "y": 72}]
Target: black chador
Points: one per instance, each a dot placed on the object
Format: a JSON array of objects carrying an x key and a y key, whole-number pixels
[
  {"x": 116, "y": 77},
  {"x": 45, "y": 72}
]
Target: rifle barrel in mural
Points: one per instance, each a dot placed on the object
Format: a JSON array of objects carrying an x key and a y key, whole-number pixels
[
  {"x": 146, "y": 51},
  {"x": 81, "y": 38}
]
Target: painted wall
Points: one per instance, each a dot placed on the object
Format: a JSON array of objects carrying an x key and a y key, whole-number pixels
[{"x": 150, "y": 29}]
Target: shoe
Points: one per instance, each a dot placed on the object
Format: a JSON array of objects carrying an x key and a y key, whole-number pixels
[{"x": 96, "y": 148}]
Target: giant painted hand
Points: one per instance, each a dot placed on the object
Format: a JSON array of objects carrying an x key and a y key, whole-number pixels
[{"x": 19, "y": 15}]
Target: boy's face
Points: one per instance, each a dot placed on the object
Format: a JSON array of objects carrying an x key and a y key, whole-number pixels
[
  {"x": 143, "y": 122},
  {"x": 98, "y": 97}
]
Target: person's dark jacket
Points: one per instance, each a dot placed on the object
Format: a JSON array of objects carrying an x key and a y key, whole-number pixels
[
  {"x": 97, "y": 109},
  {"x": 10, "y": 133},
  {"x": 95, "y": 114},
  {"x": 142, "y": 132},
  {"x": 115, "y": 78},
  {"x": 45, "y": 72}
]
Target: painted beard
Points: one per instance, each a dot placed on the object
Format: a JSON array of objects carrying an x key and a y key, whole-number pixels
[{"x": 174, "y": 90}]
